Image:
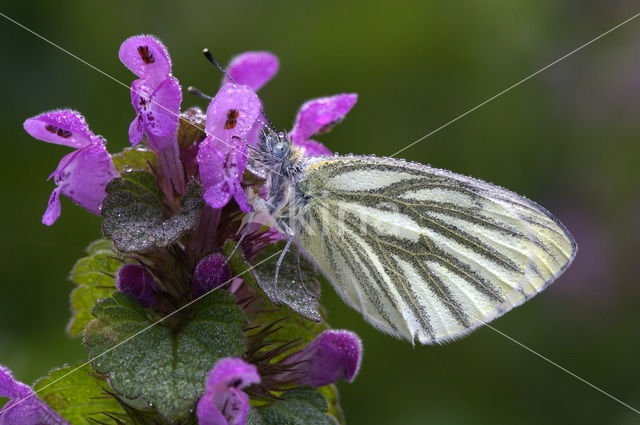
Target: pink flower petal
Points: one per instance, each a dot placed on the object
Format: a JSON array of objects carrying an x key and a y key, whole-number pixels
[
  {"x": 146, "y": 57},
  {"x": 223, "y": 402},
  {"x": 62, "y": 127},
  {"x": 237, "y": 159},
  {"x": 83, "y": 175},
  {"x": 318, "y": 116},
  {"x": 261, "y": 123},
  {"x": 253, "y": 69},
  {"x": 163, "y": 109},
  {"x": 208, "y": 413},
  {"x": 210, "y": 163},
  {"x": 232, "y": 112},
  {"x": 332, "y": 355},
  {"x": 241, "y": 199},
  {"x": 24, "y": 406},
  {"x": 167, "y": 97},
  {"x": 219, "y": 195},
  {"x": 313, "y": 148},
  {"x": 158, "y": 123},
  {"x": 136, "y": 130},
  {"x": 53, "y": 208}
]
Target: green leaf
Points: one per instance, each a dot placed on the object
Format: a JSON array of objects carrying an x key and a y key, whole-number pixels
[
  {"x": 134, "y": 215},
  {"x": 191, "y": 128},
  {"x": 135, "y": 158},
  {"x": 330, "y": 392},
  {"x": 94, "y": 277},
  {"x": 297, "y": 287},
  {"x": 165, "y": 367},
  {"x": 305, "y": 406},
  {"x": 292, "y": 325},
  {"x": 79, "y": 396}
]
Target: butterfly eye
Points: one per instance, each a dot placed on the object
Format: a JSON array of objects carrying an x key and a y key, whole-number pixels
[{"x": 281, "y": 149}]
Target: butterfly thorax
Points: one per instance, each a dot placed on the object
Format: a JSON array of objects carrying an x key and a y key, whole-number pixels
[{"x": 281, "y": 165}]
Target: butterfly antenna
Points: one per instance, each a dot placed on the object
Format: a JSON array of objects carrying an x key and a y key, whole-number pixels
[
  {"x": 273, "y": 127},
  {"x": 207, "y": 54},
  {"x": 194, "y": 91}
]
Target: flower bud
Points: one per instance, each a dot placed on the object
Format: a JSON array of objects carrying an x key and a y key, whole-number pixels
[
  {"x": 332, "y": 355},
  {"x": 135, "y": 281},
  {"x": 213, "y": 271}
]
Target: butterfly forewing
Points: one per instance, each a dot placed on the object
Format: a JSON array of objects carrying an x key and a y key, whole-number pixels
[{"x": 422, "y": 253}]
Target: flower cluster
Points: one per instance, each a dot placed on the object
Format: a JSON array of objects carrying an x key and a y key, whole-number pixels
[{"x": 172, "y": 265}]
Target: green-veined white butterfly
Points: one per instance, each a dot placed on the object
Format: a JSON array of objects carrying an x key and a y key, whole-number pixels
[{"x": 424, "y": 254}]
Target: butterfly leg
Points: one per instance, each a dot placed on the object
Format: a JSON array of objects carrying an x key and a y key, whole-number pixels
[
  {"x": 275, "y": 279},
  {"x": 289, "y": 233},
  {"x": 247, "y": 227},
  {"x": 304, "y": 286}
]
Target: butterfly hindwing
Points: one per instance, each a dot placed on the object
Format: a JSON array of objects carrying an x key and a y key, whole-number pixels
[{"x": 422, "y": 253}]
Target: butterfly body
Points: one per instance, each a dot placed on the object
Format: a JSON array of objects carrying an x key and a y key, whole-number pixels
[{"x": 424, "y": 254}]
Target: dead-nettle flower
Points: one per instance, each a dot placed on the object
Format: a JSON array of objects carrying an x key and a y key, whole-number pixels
[
  {"x": 333, "y": 355},
  {"x": 222, "y": 157},
  {"x": 135, "y": 281},
  {"x": 24, "y": 406},
  {"x": 233, "y": 119},
  {"x": 81, "y": 175},
  {"x": 211, "y": 272},
  {"x": 156, "y": 97},
  {"x": 224, "y": 402},
  {"x": 187, "y": 261}
]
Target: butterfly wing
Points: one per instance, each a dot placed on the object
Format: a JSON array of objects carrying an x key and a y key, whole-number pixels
[{"x": 425, "y": 254}]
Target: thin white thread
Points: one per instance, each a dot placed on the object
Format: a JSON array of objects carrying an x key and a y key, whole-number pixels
[
  {"x": 401, "y": 150},
  {"x": 135, "y": 334},
  {"x": 532, "y": 351},
  {"x": 121, "y": 83},
  {"x": 518, "y": 83},
  {"x": 560, "y": 367}
]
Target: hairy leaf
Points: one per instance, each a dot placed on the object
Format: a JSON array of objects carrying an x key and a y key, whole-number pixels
[
  {"x": 134, "y": 158},
  {"x": 297, "y": 287},
  {"x": 292, "y": 325},
  {"x": 78, "y": 396},
  {"x": 330, "y": 392},
  {"x": 94, "y": 276},
  {"x": 191, "y": 128},
  {"x": 165, "y": 367},
  {"x": 305, "y": 406},
  {"x": 134, "y": 217}
]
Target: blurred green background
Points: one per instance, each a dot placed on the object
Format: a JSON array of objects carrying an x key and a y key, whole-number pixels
[{"x": 567, "y": 138}]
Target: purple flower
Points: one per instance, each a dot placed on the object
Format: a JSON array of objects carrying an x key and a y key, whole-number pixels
[
  {"x": 222, "y": 157},
  {"x": 156, "y": 97},
  {"x": 146, "y": 57},
  {"x": 81, "y": 175},
  {"x": 158, "y": 111},
  {"x": 233, "y": 119},
  {"x": 332, "y": 355},
  {"x": 318, "y": 116},
  {"x": 223, "y": 402},
  {"x": 24, "y": 406},
  {"x": 135, "y": 281},
  {"x": 253, "y": 69},
  {"x": 212, "y": 272}
]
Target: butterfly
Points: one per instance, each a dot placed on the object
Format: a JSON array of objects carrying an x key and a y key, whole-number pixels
[{"x": 423, "y": 254}]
